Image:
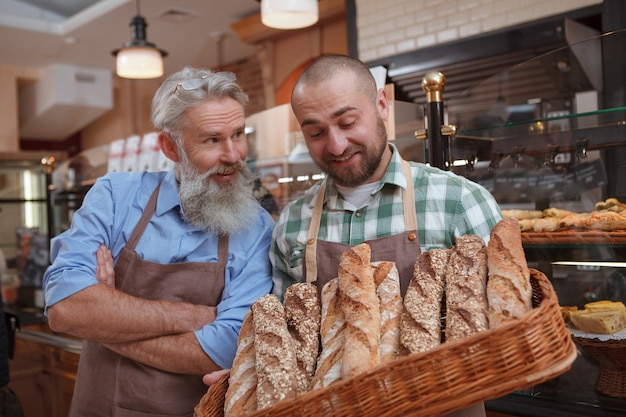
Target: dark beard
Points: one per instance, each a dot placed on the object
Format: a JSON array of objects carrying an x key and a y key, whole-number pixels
[
  {"x": 354, "y": 176},
  {"x": 223, "y": 208}
]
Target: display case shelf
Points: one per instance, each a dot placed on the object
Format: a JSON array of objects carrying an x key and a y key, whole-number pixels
[{"x": 551, "y": 132}]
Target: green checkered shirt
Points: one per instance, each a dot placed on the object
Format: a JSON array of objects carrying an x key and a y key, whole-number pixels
[{"x": 447, "y": 206}]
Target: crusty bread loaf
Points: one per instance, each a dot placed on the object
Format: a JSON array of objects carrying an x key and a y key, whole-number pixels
[
  {"x": 387, "y": 282},
  {"x": 508, "y": 290},
  {"x": 420, "y": 326},
  {"x": 240, "y": 396},
  {"x": 522, "y": 214},
  {"x": 275, "y": 353},
  {"x": 466, "y": 278},
  {"x": 328, "y": 368},
  {"x": 361, "y": 310},
  {"x": 302, "y": 310}
]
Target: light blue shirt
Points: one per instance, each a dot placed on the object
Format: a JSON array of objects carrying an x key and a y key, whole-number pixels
[{"x": 109, "y": 214}]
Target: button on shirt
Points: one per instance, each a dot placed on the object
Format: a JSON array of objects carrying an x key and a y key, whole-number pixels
[
  {"x": 447, "y": 206},
  {"x": 108, "y": 216}
]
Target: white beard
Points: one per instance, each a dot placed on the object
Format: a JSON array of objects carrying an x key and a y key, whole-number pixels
[{"x": 222, "y": 208}]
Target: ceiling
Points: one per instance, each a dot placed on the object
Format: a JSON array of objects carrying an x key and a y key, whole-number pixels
[{"x": 36, "y": 33}]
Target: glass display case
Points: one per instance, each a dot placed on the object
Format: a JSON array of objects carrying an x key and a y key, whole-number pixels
[
  {"x": 24, "y": 226},
  {"x": 551, "y": 133},
  {"x": 71, "y": 180}
]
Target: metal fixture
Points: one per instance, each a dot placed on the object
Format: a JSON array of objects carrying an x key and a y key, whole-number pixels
[{"x": 139, "y": 58}]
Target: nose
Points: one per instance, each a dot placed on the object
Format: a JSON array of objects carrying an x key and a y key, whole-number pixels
[
  {"x": 337, "y": 142},
  {"x": 232, "y": 152}
]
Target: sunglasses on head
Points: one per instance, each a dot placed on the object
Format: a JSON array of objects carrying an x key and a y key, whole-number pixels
[{"x": 195, "y": 83}]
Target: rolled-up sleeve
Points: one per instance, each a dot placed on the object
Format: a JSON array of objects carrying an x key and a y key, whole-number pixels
[{"x": 73, "y": 252}]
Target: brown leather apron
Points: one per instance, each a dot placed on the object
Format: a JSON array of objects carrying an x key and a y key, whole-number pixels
[
  {"x": 322, "y": 258},
  {"x": 111, "y": 385}
]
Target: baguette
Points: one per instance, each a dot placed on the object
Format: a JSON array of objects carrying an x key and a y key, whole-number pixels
[
  {"x": 466, "y": 277},
  {"x": 556, "y": 212},
  {"x": 420, "y": 327},
  {"x": 302, "y": 311},
  {"x": 275, "y": 353},
  {"x": 359, "y": 303},
  {"x": 387, "y": 282},
  {"x": 509, "y": 292},
  {"x": 240, "y": 396},
  {"x": 333, "y": 324},
  {"x": 522, "y": 214}
]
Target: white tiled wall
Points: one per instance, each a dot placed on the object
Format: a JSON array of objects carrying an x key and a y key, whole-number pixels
[{"x": 390, "y": 27}]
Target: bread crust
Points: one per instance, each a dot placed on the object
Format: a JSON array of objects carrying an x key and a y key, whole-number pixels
[
  {"x": 333, "y": 324},
  {"x": 302, "y": 311},
  {"x": 387, "y": 281},
  {"x": 466, "y": 278},
  {"x": 522, "y": 214},
  {"x": 420, "y": 327},
  {"x": 240, "y": 396},
  {"x": 275, "y": 353},
  {"x": 359, "y": 303},
  {"x": 509, "y": 292}
]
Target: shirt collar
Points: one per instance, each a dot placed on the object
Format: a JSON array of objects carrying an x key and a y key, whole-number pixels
[
  {"x": 394, "y": 174},
  {"x": 168, "y": 194}
]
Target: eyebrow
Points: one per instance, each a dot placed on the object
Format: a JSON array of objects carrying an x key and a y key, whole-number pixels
[{"x": 335, "y": 115}]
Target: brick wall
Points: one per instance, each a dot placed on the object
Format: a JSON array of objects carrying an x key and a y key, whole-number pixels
[
  {"x": 249, "y": 76},
  {"x": 390, "y": 27}
]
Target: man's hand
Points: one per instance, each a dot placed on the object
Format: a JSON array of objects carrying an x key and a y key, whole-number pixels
[
  {"x": 213, "y": 377},
  {"x": 105, "y": 272}
]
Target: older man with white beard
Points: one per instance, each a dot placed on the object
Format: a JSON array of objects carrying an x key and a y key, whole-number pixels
[{"x": 190, "y": 249}]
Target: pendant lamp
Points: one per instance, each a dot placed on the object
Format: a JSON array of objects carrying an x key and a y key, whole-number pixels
[
  {"x": 139, "y": 58},
  {"x": 289, "y": 14}
]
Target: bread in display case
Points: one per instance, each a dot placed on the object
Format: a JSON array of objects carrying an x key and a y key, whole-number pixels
[{"x": 548, "y": 139}]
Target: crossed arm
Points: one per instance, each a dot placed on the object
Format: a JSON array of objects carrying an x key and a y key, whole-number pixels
[{"x": 153, "y": 332}]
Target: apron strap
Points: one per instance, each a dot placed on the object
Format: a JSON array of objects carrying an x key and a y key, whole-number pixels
[
  {"x": 145, "y": 219},
  {"x": 408, "y": 199},
  {"x": 410, "y": 220},
  {"x": 311, "y": 244},
  {"x": 222, "y": 250}
]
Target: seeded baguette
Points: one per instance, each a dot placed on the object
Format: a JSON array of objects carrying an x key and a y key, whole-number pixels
[
  {"x": 420, "y": 326},
  {"x": 466, "y": 279},
  {"x": 302, "y": 310},
  {"x": 275, "y": 353}
]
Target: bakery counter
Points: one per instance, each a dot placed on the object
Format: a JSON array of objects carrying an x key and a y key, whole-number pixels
[
  {"x": 572, "y": 394},
  {"x": 43, "y": 369}
]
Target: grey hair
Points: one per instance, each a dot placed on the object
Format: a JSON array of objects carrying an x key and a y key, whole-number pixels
[{"x": 171, "y": 100}]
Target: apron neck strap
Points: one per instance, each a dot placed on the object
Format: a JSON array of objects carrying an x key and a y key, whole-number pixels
[
  {"x": 410, "y": 220},
  {"x": 145, "y": 219}
]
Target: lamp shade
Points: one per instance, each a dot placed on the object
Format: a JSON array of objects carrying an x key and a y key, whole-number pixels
[
  {"x": 139, "y": 62},
  {"x": 289, "y": 14},
  {"x": 139, "y": 58}
]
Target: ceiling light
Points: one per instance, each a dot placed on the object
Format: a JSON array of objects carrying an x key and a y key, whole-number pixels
[
  {"x": 289, "y": 14},
  {"x": 139, "y": 58}
]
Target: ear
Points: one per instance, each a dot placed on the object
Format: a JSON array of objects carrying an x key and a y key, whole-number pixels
[
  {"x": 168, "y": 146},
  {"x": 382, "y": 104}
]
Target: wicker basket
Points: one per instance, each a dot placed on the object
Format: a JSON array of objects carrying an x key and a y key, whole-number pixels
[
  {"x": 487, "y": 365},
  {"x": 611, "y": 355}
]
